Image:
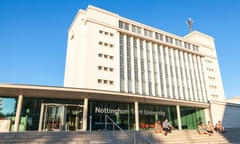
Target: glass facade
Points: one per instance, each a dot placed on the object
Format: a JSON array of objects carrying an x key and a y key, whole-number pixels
[
  {"x": 149, "y": 114},
  {"x": 121, "y": 113},
  {"x": 30, "y": 112},
  {"x": 67, "y": 115},
  {"x": 190, "y": 117}
]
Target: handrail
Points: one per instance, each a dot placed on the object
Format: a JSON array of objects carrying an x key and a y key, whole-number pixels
[
  {"x": 109, "y": 118},
  {"x": 115, "y": 124},
  {"x": 147, "y": 139}
]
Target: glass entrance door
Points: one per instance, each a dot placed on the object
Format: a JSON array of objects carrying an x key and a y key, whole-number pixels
[
  {"x": 57, "y": 117},
  {"x": 74, "y": 115},
  {"x": 53, "y": 117}
]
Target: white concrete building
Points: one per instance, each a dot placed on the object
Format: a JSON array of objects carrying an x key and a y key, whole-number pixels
[
  {"x": 109, "y": 52},
  {"x": 133, "y": 73}
]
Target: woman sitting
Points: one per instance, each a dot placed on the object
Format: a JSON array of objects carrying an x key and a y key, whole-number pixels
[
  {"x": 201, "y": 129},
  {"x": 158, "y": 127}
]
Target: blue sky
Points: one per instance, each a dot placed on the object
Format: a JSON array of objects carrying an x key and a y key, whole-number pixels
[{"x": 33, "y": 33}]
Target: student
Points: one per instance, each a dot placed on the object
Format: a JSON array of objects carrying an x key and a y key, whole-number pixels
[
  {"x": 201, "y": 129},
  {"x": 166, "y": 127},
  {"x": 219, "y": 127},
  {"x": 209, "y": 128},
  {"x": 158, "y": 127}
]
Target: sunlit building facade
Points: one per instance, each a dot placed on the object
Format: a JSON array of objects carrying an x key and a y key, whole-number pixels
[
  {"x": 132, "y": 73},
  {"x": 109, "y": 52}
]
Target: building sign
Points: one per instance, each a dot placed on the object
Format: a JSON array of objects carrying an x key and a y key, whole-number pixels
[
  {"x": 111, "y": 110},
  {"x": 107, "y": 110},
  {"x": 150, "y": 112}
]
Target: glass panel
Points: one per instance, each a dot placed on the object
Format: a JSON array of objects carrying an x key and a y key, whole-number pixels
[
  {"x": 53, "y": 117},
  {"x": 7, "y": 113},
  {"x": 31, "y": 112},
  {"x": 149, "y": 114},
  {"x": 121, "y": 113},
  {"x": 74, "y": 115},
  {"x": 190, "y": 117}
]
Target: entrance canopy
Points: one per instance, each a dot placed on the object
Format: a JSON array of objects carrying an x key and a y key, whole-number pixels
[{"x": 80, "y": 93}]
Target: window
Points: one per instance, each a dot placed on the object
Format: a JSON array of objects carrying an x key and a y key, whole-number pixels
[
  {"x": 195, "y": 48},
  {"x": 169, "y": 39},
  {"x": 105, "y": 56},
  {"x": 158, "y": 36},
  {"x": 105, "y": 44},
  {"x": 99, "y": 81},
  {"x": 100, "y": 31},
  {"x": 123, "y": 25},
  {"x": 178, "y": 42},
  {"x": 111, "y": 57},
  {"x": 147, "y": 33},
  {"x": 187, "y": 45},
  {"x": 213, "y": 87},
  {"x": 99, "y": 67},
  {"x": 111, "y": 82},
  {"x": 100, "y": 55},
  {"x": 106, "y": 33},
  {"x": 105, "y": 81},
  {"x": 136, "y": 29}
]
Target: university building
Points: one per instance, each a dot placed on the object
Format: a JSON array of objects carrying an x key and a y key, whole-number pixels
[{"x": 133, "y": 73}]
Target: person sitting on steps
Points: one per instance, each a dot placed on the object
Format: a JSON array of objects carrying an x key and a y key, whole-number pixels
[
  {"x": 210, "y": 128},
  {"x": 219, "y": 127},
  {"x": 201, "y": 129},
  {"x": 166, "y": 127},
  {"x": 158, "y": 127}
]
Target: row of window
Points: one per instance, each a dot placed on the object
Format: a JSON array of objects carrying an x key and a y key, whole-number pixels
[
  {"x": 210, "y": 69},
  {"x": 211, "y": 78},
  {"x": 157, "y": 35},
  {"x": 103, "y": 81},
  {"x": 105, "y": 68},
  {"x": 105, "y": 44},
  {"x": 106, "y": 33},
  {"x": 105, "y": 56},
  {"x": 213, "y": 87},
  {"x": 208, "y": 61},
  {"x": 214, "y": 96}
]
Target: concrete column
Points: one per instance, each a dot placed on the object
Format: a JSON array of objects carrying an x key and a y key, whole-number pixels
[
  {"x": 41, "y": 118},
  {"x": 85, "y": 111},
  {"x": 208, "y": 114},
  {"x": 139, "y": 67},
  {"x": 179, "y": 117},
  {"x": 145, "y": 68},
  {"x": 18, "y": 113},
  {"x": 133, "y": 90},
  {"x": 136, "y": 115}
]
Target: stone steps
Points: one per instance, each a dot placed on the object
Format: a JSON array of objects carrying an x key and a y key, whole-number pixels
[
  {"x": 192, "y": 137},
  {"x": 127, "y": 137},
  {"x": 54, "y": 137}
]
